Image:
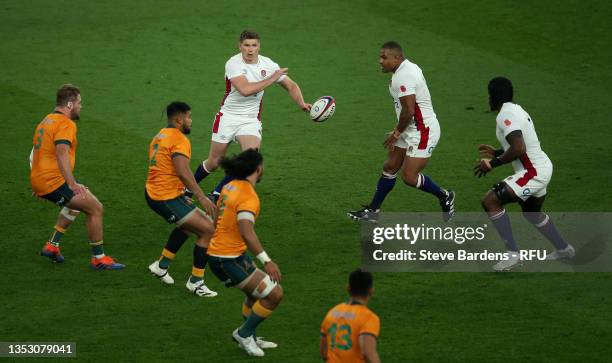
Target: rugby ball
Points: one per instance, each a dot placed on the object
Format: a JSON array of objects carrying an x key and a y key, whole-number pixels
[{"x": 323, "y": 108}]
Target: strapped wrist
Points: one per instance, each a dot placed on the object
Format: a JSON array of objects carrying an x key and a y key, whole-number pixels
[
  {"x": 263, "y": 257},
  {"x": 495, "y": 162}
]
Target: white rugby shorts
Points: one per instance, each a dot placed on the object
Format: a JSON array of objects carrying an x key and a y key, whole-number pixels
[
  {"x": 420, "y": 143},
  {"x": 531, "y": 182},
  {"x": 226, "y": 127}
]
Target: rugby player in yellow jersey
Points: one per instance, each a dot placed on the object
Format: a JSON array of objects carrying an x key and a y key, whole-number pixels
[
  {"x": 169, "y": 173},
  {"x": 349, "y": 330},
  {"x": 52, "y": 162},
  {"x": 238, "y": 208}
]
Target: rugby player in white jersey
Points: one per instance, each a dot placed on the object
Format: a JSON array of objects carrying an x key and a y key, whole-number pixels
[
  {"x": 532, "y": 173},
  {"x": 414, "y": 138},
  {"x": 247, "y": 75}
]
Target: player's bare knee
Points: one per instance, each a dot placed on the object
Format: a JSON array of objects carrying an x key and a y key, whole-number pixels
[
  {"x": 391, "y": 167},
  {"x": 212, "y": 163},
  {"x": 410, "y": 178},
  {"x": 483, "y": 204},
  {"x": 206, "y": 229},
  {"x": 203, "y": 233},
  {"x": 91, "y": 207},
  {"x": 490, "y": 202},
  {"x": 202, "y": 230},
  {"x": 275, "y": 296},
  {"x": 97, "y": 208},
  {"x": 279, "y": 293}
]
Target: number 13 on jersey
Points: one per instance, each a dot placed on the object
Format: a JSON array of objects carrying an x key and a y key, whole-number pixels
[{"x": 344, "y": 334}]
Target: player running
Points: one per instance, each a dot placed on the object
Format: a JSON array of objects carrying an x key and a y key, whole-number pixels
[
  {"x": 169, "y": 173},
  {"x": 52, "y": 161},
  {"x": 247, "y": 75},
  {"x": 235, "y": 233},
  {"x": 527, "y": 186},
  {"x": 349, "y": 330},
  {"x": 412, "y": 141}
]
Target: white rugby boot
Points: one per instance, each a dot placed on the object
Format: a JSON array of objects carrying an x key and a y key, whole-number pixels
[
  {"x": 200, "y": 289},
  {"x": 248, "y": 344},
  {"x": 160, "y": 273},
  {"x": 513, "y": 260},
  {"x": 566, "y": 253}
]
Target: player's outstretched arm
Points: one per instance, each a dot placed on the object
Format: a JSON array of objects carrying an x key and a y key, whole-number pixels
[
  {"x": 246, "y": 225},
  {"x": 295, "y": 93},
  {"x": 367, "y": 343},
  {"x": 247, "y": 88},
  {"x": 181, "y": 166}
]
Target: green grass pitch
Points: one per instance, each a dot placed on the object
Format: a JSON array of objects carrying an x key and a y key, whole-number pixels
[{"x": 131, "y": 58}]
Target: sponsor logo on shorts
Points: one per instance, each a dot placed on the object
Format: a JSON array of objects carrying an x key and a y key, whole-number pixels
[
  {"x": 172, "y": 218},
  {"x": 403, "y": 88},
  {"x": 526, "y": 191},
  {"x": 507, "y": 122},
  {"x": 430, "y": 150},
  {"x": 263, "y": 72},
  {"x": 61, "y": 201}
]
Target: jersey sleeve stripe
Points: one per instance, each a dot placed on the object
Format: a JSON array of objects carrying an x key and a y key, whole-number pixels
[
  {"x": 245, "y": 211},
  {"x": 179, "y": 154},
  {"x": 246, "y": 215},
  {"x": 372, "y": 334},
  {"x": 65, "y": 142}
]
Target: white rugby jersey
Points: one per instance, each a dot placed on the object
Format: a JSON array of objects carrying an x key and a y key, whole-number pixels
[
  {"x": 235, "y": 103},
  {"x": 408, "y": 80},
  {"x": 512, "y": 117}
]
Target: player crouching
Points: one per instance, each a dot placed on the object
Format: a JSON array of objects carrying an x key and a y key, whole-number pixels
[
  {"x": 238, "y": 208},
  {"x": 169, "y": 173}
]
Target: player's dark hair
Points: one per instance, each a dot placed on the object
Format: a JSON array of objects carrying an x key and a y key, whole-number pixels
[
  {"x": 393, "y": 45},
  {"x": 360, "y": 283},
  {"x": 242, "y": 165},
  {"x": 175, "y": 108},
  {"x": 248, "y": 34},
  {"x": 66, "y": 93},
  {"x": 500, "y": 92}
]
